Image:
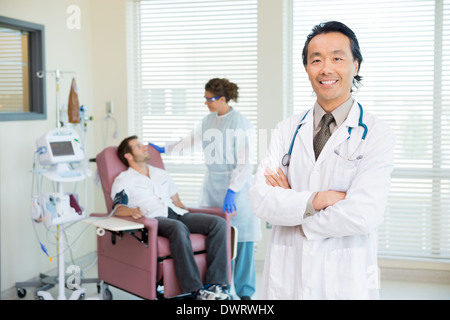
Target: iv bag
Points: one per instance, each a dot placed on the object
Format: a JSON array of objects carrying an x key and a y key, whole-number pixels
[{"x": 74, "y": 105}]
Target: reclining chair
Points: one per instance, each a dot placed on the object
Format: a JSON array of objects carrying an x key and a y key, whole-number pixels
[{"x": 137, "y": 261}]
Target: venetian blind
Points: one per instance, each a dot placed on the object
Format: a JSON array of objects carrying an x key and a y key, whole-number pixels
[
  {"x": 14, "y": 86},
  {"x": 176, "y": 46},
  {"x": 406, "y": 81}
]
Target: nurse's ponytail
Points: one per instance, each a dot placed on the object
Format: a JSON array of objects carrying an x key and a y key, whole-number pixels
[{"x": 223, "y": 88}]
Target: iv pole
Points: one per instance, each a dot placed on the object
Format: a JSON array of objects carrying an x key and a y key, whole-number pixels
[{"x": 61, "y": 270}]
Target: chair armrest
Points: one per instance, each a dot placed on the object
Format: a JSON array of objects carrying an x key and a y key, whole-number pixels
[
  {"x": 149, "y": 223},
  {"x": 98, "y": 215}
]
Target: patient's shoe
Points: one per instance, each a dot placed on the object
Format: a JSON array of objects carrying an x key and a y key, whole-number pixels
[
  {"x": 219, "y": 290},
  {"x": 211, "y": 292},
  {"x": 203, "y": 294}
]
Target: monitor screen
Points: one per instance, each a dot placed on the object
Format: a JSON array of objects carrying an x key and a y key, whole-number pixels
[{"x": 62, "y": 148}]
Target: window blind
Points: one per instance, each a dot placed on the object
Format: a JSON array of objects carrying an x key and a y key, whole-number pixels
[
  {"x": 406, "y": 82},
  {"x": 176, "y": 47},
  {"x": 14, "y": 95}
]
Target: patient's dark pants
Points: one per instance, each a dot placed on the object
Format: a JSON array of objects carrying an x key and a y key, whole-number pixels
[{"x": 177, "y": 229}]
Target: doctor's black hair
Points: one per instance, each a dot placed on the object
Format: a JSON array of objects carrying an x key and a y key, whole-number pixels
[
  {"x": 223, "y": 88},
  {"x": 336, "y": 26},
  {"x": 124, "y": 148}
]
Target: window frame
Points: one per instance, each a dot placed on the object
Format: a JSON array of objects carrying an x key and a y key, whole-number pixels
[{"x": 38, "y": 110}]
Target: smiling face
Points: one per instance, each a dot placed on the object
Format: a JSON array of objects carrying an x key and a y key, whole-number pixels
[{"x": 331, "y": 69}]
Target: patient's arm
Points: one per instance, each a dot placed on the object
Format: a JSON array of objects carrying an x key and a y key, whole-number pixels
[
  {"x": 176, "y": 201},
  {"x": 124, "y": 211}
]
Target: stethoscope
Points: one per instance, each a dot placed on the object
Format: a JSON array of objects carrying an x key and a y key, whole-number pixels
[{"x": 287, "y": 157}]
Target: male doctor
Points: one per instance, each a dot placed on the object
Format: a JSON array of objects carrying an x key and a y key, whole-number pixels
[{"x": 326, "y": 202}]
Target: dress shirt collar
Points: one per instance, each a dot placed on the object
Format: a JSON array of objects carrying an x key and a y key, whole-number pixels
[{"x": 339, "y": 114}]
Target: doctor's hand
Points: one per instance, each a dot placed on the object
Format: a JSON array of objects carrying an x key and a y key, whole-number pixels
[
  {"x": 158, "y": 148},
  {"x": 277, "y": 179},
  {"x": 228, "y": 204}
]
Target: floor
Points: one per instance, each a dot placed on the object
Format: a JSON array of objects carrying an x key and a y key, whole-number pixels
[{"x": 390, "y": 290}]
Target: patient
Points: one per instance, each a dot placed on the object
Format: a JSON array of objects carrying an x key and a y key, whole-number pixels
[{"x": 143, "y": 190}]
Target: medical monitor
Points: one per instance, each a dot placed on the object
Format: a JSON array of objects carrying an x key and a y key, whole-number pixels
[
  {"x": 62, "y": 148},
  {"x": 60, "y": 145}
]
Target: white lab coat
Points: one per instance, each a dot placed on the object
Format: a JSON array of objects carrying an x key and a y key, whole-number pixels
[{"x": 338, "y": 257}]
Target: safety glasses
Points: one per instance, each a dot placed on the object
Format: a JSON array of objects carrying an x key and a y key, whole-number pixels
[{"x": 212, "y": 99}]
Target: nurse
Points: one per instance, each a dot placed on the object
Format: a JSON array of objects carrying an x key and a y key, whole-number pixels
[
  {"x": 227, "y": 139},
  {"x": 326, "y": 202}
]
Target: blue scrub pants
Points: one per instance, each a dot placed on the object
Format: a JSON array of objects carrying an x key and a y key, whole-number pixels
[{"x": 244, "y": 270}]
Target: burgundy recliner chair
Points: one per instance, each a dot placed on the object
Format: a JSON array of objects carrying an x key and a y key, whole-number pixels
[{"x": 137, "y": 261}]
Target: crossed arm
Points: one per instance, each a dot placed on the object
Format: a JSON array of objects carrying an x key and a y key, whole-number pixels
[{"x": 321, "y": 200}]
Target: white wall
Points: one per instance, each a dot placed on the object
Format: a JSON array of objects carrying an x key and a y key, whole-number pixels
[
  {"x": 97, "y": 53},
  {"x": 110, "y": 68}
]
